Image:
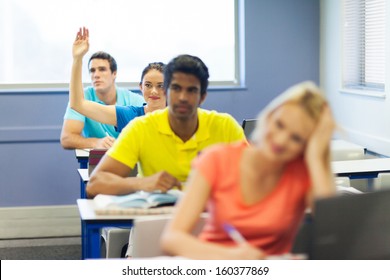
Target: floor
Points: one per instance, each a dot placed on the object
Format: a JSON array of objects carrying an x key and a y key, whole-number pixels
[{"x": 58, "y": 248}]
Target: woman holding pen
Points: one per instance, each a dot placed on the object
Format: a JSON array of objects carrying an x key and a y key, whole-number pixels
[
  {"x": 151, "y": 86},
  {"x": 256, "y": 195}
]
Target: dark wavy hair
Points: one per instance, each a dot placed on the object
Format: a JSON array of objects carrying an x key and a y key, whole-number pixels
[{"x": 159, "y": 66}]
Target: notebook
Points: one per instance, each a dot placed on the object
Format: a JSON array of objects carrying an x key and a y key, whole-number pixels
[
  {"x": 136, "y": 203},
  {"x": 248, "y": 125},
  {"x": 355, "y": 227}
]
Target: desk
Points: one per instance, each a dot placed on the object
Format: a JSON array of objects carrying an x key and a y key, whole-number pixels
[
  {"x": 364, "y": 168},
  {"x": 344, "y": 150},
  {"x": 82, "y": 157},
  {"x": 93, "y": 223},
  {"x": 84, "y": 178}
]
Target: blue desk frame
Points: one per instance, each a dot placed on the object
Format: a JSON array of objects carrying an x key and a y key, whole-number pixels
[
  {"x": 91, "y": 246},
  {"x": 82, "y": 158},
  {"x": 91, "y": 226}
]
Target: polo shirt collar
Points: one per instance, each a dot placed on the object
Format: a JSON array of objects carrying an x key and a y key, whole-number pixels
[{"x": 201, "y": 134}]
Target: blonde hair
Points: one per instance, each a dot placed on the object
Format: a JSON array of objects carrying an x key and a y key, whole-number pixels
[{"x": 306, "y": 94}]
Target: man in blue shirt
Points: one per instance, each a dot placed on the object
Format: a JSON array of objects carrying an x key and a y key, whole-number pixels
[{"x": 79, "y": 132}]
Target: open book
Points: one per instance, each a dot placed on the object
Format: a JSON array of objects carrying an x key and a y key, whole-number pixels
[{"x": 136, "y": 203}]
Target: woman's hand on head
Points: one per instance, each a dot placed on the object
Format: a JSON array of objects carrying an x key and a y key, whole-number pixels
[{"x": 319, "y": 142}]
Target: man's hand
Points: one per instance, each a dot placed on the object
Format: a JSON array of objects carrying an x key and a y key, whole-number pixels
[
  {"x": 81, "y": 43},
  {"x": 162, "y": 181},
  {"x": 105, "y": 143}
]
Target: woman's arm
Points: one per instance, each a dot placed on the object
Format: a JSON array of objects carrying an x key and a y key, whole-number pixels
[
  {"x": 177, "y": 238},
  {"x": 90, "y": 109},
  {"x": 317, "y": 157}
]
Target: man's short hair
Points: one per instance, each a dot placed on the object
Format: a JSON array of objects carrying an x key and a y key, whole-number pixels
[
  {"x": 106, "y": 56},
  {"x": 187, "y": 64}
]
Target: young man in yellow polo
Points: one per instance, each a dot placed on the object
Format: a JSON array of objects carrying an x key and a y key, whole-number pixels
[{"x": 165, "y": 142}]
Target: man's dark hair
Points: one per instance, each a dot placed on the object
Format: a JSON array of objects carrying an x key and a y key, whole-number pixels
[
  {"x": 187, "y": 64},
  {"x": 106, "y": 56}
]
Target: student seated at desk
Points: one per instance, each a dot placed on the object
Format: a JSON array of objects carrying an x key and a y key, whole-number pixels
[
  {"x": 151, "y": 86},
  {"x": 164, "y": 142},
  {"x": 261, "y": 190},
  {"x": 79, "y": 132}
]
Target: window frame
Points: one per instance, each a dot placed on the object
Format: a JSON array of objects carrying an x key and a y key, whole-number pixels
[{"x": 237, "y": 83}]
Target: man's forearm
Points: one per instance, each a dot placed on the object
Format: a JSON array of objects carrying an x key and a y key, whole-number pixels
[{"x": 78, "y": 142}]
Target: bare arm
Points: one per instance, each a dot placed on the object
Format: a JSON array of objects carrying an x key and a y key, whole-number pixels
[
  {"x": 90, "y": 109},
  {"x": 111, "y": 177},
  {"x": 177, "y": 238},
  {"x": 71, "y": 137},
  {"x": 317, "y": 157}
]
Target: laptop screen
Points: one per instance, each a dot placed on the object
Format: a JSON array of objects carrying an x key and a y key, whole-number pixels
[{"x": 352, "y": 227}]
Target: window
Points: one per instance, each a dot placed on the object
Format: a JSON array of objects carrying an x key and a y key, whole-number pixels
[
  {"x": 37, "y": 38},
  {"x": 364, "y": 46}
]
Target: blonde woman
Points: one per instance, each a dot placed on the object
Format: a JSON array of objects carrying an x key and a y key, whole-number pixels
[{"x": 261, "y": 190}]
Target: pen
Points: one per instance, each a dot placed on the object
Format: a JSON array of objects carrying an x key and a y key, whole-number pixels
[
  {"x": 108, "y": 135},
  {"x": 234, "y": 233}
]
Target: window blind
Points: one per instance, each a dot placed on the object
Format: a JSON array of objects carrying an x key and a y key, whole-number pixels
[{"x": 364, "y": 42}]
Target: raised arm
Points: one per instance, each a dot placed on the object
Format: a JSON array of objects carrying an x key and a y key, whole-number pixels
[
  {"x": 90, "y": 109},
  {"x": 317, "y": 157}
]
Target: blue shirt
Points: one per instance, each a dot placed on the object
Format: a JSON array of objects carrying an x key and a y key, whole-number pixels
[
  {"x": 93, "y": 128},
  {"x": 124, "y": 114}
]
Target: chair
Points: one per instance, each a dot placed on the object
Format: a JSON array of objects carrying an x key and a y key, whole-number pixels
[
  {"x": 113, "y": 240},
  {"x": 147, "y": 233},
  {"x": 382, "y": 181},
  {"x": 248, "y": 125},
  {"x": 342, "y": 181}
]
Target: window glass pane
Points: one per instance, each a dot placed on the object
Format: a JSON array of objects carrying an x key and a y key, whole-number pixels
[{"x": 37, "y": 36}]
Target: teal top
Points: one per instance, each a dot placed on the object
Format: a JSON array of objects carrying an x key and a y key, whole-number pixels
[{"x": 95, "y": 129}]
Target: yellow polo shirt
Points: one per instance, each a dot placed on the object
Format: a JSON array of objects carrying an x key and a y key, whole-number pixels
[{"x": 150, "y": 141}]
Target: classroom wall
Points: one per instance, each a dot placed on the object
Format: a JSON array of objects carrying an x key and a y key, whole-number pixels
[
  {"x": 281, "y": 48},
  {"x": 364, "y": 120}
]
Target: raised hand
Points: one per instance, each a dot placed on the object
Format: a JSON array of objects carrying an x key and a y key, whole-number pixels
[{"x": 81, "y": 43}]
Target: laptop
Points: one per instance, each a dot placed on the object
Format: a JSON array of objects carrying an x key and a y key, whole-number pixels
[
  {"x": 248, "y": 125},
  {"x": 355, "y": 227}
]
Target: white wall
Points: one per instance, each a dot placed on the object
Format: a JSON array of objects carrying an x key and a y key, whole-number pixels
[{"x": 366, "y": 120}]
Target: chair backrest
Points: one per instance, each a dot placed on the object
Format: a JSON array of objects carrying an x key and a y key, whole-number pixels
[
  {"x": 95, "y": 155},
  {"x": 248, "y": 125},
  {"x": 147, "y": 233}
]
